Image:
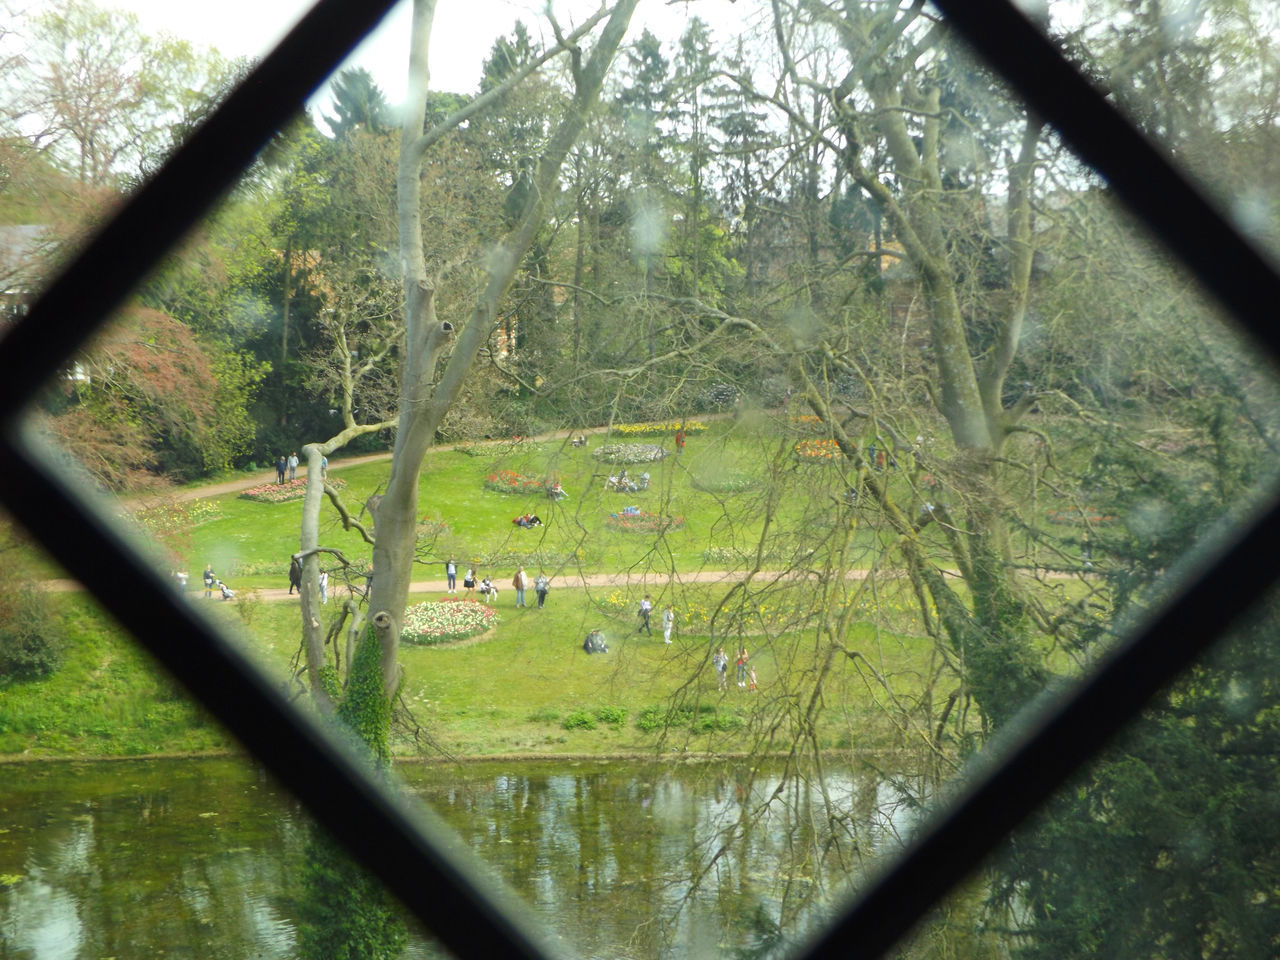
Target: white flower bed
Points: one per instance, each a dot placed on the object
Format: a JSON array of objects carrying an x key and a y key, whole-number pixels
[
  {"x": 629, "y": 453},
  {"x": 438, "y": 621}
]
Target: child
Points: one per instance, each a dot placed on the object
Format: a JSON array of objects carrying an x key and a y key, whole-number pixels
[{"x": 752, "y": 674}]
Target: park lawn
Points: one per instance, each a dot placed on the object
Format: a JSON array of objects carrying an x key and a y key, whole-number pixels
[
  {"x": 526, "y": 687},
  {"x": 108, "y": 699},
  {"x": 249, "y": 543}
]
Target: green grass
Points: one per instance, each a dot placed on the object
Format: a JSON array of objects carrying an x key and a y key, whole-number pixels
[
  {"x": 250, "y": 543},
  {"x": 527, "y": 687}
]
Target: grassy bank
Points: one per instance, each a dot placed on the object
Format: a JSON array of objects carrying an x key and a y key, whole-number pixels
[{"x": 525, "y": 687}]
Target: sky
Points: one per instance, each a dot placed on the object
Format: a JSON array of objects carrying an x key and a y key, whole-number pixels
[{"x": 462, "y": 35}]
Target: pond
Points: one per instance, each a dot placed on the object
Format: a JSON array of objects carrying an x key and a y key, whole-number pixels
[{"x": 200, "y": 858}]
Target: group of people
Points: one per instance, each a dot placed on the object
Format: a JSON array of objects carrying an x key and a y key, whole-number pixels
[
  {"x": 295, "y": 578},
  {"x": 287, "y": 467},
  {"x": 621, "y": 483},
  {"x": 528, "y": 521},
  {"x": 745, "y": 671},
  {"x": 489, "y": 590},
  {"x": 668, "y": 619},
  {"x": 212, "y": 583}
]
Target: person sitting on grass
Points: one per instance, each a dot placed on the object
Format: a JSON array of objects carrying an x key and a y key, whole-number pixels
[{"x": 594, "y": 643}]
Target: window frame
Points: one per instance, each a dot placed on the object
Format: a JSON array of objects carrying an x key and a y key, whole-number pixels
[{"x": 449, "y": 896}]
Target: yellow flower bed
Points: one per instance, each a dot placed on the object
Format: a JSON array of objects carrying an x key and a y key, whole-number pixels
[{"x": 655, "y": 428}]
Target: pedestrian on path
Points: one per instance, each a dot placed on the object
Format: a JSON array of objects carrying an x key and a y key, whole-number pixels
[
  {"x": 293, "y": 466},
  {"x": 519, "y": 581},
  {"x": 209, "y": 580},
  {"x": 720, "y": 660},
  {"x": 295, "y": 575},
  {"x": 451, "y": 571},
  {"x": 540, "y": 587},
  {"x": 281, "y": 466},
  {"x": 646, "y": 607},
  {"x": 668, "y": 622}
]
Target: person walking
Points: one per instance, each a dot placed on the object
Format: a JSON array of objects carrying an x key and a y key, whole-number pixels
[
  {"x": 469, "y": 583},
  {"x": 668, "y": 622},
  {"x": 519, "y": 581},
  {"x": 209, "y": 580},
  {"x": 646, "y": 607},
  {"x": 540, "y": 587},
  {"x": 295, "y": 574},
  {"x": 451, "y": 572},
  {"x": 293, "y": 466},
  {"x": 281, "y": 466}
]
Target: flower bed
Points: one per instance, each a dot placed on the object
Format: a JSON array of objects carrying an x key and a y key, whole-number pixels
[
  {"x": 629, "y": 453},
  {"x": 439, "y": 621},
  {"x": 729, "y": 483},
  {"x": 657, "y": 428},
  {"x": 284, "y": 492},
  {"x": 641, "y": 522},
  {"x": 508, "y": 481},
  {"x": 817, "y": 451}
]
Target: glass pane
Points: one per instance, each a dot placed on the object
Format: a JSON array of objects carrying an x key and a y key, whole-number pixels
[
  {"x": 1202, "y": 79},
  {"x": 840, "y": 410},
  {"x": 1165, "y": 846}
]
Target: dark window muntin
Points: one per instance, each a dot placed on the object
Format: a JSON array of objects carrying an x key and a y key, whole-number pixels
[{"x": 389, "y": 837}]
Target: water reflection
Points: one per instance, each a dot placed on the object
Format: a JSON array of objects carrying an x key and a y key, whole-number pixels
[{"x": 199, "y": 858}]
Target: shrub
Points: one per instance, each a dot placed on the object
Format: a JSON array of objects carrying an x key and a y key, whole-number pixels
[
  {"x": 612, "y": 715},
  {"x": 629, "y": 453},
  {"x": 438, "y": 621},
  {"x": 718, "y": 396},
  {"x": 30, "y": 646},
  {"x": 579, "y": 720}
]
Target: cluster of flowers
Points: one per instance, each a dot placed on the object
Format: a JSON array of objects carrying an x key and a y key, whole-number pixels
[
  {"x": 1080, "y": 515},
  {"x": 508, "y": 481},
  {"x": 629, "y": 453},
  {"x": 729, "y": 483},
  {"x": 438, "y": 621},
  {"x": 175, "y": 517},
  {"x": 817, "y": 451},
  {"x": 657, "y": 428},
  {"x": 641, "y": 522},
  {"x": 284, "y": 492}
]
